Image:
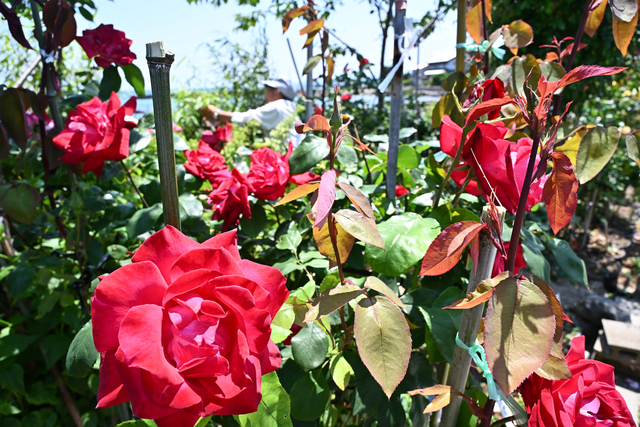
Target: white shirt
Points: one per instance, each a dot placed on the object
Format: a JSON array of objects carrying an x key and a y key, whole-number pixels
[{"x": 269, "y": 116}]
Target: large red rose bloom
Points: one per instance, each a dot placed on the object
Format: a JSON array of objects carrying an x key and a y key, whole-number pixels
[
  {"x": 96, "y": 132},
  {"x": 588, "y": 399},
  {"x": 184, "y": 330},
  {"x": 231, "y": 199},
  {"x": 107, "y": 45}
]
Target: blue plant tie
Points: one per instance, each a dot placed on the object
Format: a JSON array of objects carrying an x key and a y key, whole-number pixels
[{"x": 476, "y": 352}]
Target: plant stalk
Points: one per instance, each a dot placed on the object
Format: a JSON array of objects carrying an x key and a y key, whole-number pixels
[
  {"x": 461, "y": 35},
  {"x": 470, "y": 322},
  {"x": 485, "y": 35},
  {"x": 126, "y": 169},
  {"x": 159, "y": 63}
]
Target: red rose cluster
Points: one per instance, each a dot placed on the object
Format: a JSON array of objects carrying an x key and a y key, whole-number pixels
[
  {"x": 219, "y": 138},
  {"x": 184, "y": 331},
  {"x": 267, "y": 179},
  {"x": 107, "y": 45},
  {"x": 96, "y": 132},
  {"x": 499, "y": 165},
  {"x": 589, "y": 398}
]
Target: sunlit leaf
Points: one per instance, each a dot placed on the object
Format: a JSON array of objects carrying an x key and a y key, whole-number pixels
[
  {"x": 383, "y": 340},
  {"x": 481, "y": 294},
  {"x": 624, "y": 10},
  {"x": 298, "y": 192},
  {"x": 360, "y": 201},
  {"x": 326, "y": 197},
  {"x": 486, "y": 107},
  {"x": 560, "y": 193},
  {"x": 596, "y": 149},
  {"x": 518, "y": 34},
  {"x": 331, "y": 300},
  {"x": 316, "y": 122},
  {"x": 291, "y": 15},
  {"x": 311, "y": 30},
  {"x": 633, "y": 147},
  {"x": 623, "y": 33},
  {"x": 554, "y": 368},
  {"x": 356, "y": 225},
  {"x": 344, "y": 242},
  {"x": 381, "y": 287},
  {"x": 445, "y": 251},
  {"x": 311, "y": 64},
  {"x": 341, "y": 371},
  {"x": 518, "y": 334},
  {"x": 595, "y": 18},
  {"x": 474, "y": 22}
]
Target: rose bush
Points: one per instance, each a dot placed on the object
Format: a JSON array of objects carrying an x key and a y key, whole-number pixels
[
  {"x": 231, "y": 199},
  {"x": 589, "y": 398},
  {"x": 107, "y": 45},
  {"x": 269, "y": 173},
  {"x": 96, "y": 132},
  {"x": 184, "y": 330}
]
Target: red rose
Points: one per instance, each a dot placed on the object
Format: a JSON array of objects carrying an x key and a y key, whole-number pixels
[
  {"x": 589, "y": 398},
  {"x": 217, "y": 139},
  {"x": 401, "y": 190},
  {"x": 498, "y": 164},
  {"x": 97, "y": 131},
  {"x": 303, "y": 178},
  {"x": 317, "y": 110},
  {"x": 269, "y": 173},
  {"x": 109, "y": 46},
  {"x": 231, "y": 199},
  {"x": 489, "y": 89},
  {"x": 363, "y": 62},
  {"x": 184, "y": 330},
  {"x": 498, "y": 265},
  {"x": 207, "y": 164},
  {"x": 345, "y": 97}
]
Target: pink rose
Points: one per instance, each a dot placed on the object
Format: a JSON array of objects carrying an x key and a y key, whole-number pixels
[
  {"x": 269, "y": 173},
  {"x": 184, "y": 330},
  {"x": 107, "y": 45},
  {"x": 231, "y": 199},
  {"x": 219, "y": 138},
  {"x": 96, "y": 132},
  {"x": 207, "y": 164},
  {"x": 589, "y": 398}
]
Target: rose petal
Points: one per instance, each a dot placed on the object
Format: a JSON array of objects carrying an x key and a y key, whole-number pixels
[
  {"x": 271, "y": 280},
  {"x": 217, "y": 260},
  {"x": 129, "y": 286},
  {"x": 227, "y": 240},
  {"x": 111, "y": 391},
  {"x": 179, "y": 419},
  {"x": 188, "y": 282}
]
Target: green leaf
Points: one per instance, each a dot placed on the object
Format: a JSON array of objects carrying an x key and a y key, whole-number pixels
[
  {"x": 309, "y": 346},
  {"x": 519, "y": 331},
  {"x": 134, "y": 76},
  {"x": 536, "y": 262},
  {"x": 138, "y": 140},
  {"x": 442, "y": 327},
  {"x": 143, "y": 220},
  {"x": 12, "y": 379},
  {"x": 19, "y": 280},
  {"x": 309, "y": 396},
  {"x": 86, "y": 14},
  {"x": 311, "y": 150},
  {"x": 346, "y": 155},
  {"x": 274, "y": 408},
  {"x": 253, "y": 226},
  {"x": 190, "y": 207},
  {"x": 111, "y": 82},
  {"x": 383, "y": 340},
  {"x": 138, "y": 423},
  {"x": 355, "y": 224},
  {"x": 521, "y": 68},
  {"x": 341, "y": 371},
  {"x": 407, "y": 132},
  {"x": 633, "y": 147},
  {"x": 21, "y": 202},
  {"x": 12, "y": 116},
  {"x": 596, "y": 149},
  {"x": 331, "y": 300},
  {"x": 382, "y": 288},
  {"x": 311, "y": 64},
  {"x": 408, "y": 158},
  {"x": 407, "y": 238},
  {"x": 290, "y": 241},
  {"x": 568, "y": 261},
  {"x": 117, "y": 251},
  {"x": 82, "y": 354}
]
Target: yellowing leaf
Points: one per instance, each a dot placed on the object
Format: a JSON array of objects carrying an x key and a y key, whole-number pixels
[
  {"x": 517, "y": 34},
  {"x": 331, "y": 300},
  {"x": 481, "y": 294},
  {"x": 474, "y": 23},
  {"x": 571, "y": 143},
  {"x": 595, "y": 18},
  {"x": 311, "y": 30},
  {"x": 623, "y": 33},
  {"x": 291, "y": 15},
  {"x": 341, "y": 371},
  {"x": 344, "y": 242},
  {"x": 298, "y": 192}
]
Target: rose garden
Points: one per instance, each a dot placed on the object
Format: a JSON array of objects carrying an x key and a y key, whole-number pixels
[{"x": 349, "y": 253}]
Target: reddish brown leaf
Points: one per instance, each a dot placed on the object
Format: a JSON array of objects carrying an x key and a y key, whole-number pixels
[
  {"x": 316, "y": 122},
  {"x": 360, "y": 201},
  {"x": 58, "y": 18},
  {"x": 551, "y": 56},
  {"x": 298, "y": 192},
  {"x": 445, "y": 251},
  {"x": 326, "y": 197},
  {"x": 481, "y": 294},
  {"x": 444, "y": 394},
  {"x": 595, "y": 18},
  {"x": 291, "y": 15},
  {"x": 623, "y": 32},
  {"x": 362, "y": 145},
  {"x": 560, "y": 192},
  {"x": 15, "y": 27},
  {"x": 487, "y": 107},
  {"x": 585, "y": 71}
]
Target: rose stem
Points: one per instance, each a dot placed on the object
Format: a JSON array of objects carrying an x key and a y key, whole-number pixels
[
  {"x": 466, "y": 182},
  {"x": 159, "y": 63},
  {"x": 470, "y": 321},
  {"x": 144, "y": 202}
]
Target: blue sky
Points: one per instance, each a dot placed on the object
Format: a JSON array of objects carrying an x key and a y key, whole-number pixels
[{"x": 186, "y": 28}]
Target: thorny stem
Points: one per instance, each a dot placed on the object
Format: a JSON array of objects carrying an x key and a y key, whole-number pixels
[
  {"x": 144, "y": 202},
  {"x": 576, "y": 46},
  {"x": 465, "y": 132},
  {"x": 488, "y": 412},
  {"x": 522, "y": 204}
]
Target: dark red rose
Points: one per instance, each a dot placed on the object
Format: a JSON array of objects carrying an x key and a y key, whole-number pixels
[
  {"x": 488, "y": 89},
  {"x": 184, "y": 330},
  {"x": 498, "y": 265},
  {"x": 346, "y": 97},
  {"x": 96, "y": 132},
  {"x": 304, "y": 178},
  {"x": 589, "y": 398},
  {"x": 363, "y": 62},
  {"x": 401, "y": 190},
  {"x": 231, "y": 199},
  {"x": 219, "y": 138},
  {"x": 269, "y": 173},
  {"x": 107, "y": 45},
  {"x": 207, "y": 164}
]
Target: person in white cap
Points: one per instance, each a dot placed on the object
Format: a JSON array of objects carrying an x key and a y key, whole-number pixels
[{"x": 279, "y": 94}]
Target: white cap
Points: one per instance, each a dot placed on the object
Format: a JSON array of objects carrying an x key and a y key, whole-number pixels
[{"x": 283, "y": 85}]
